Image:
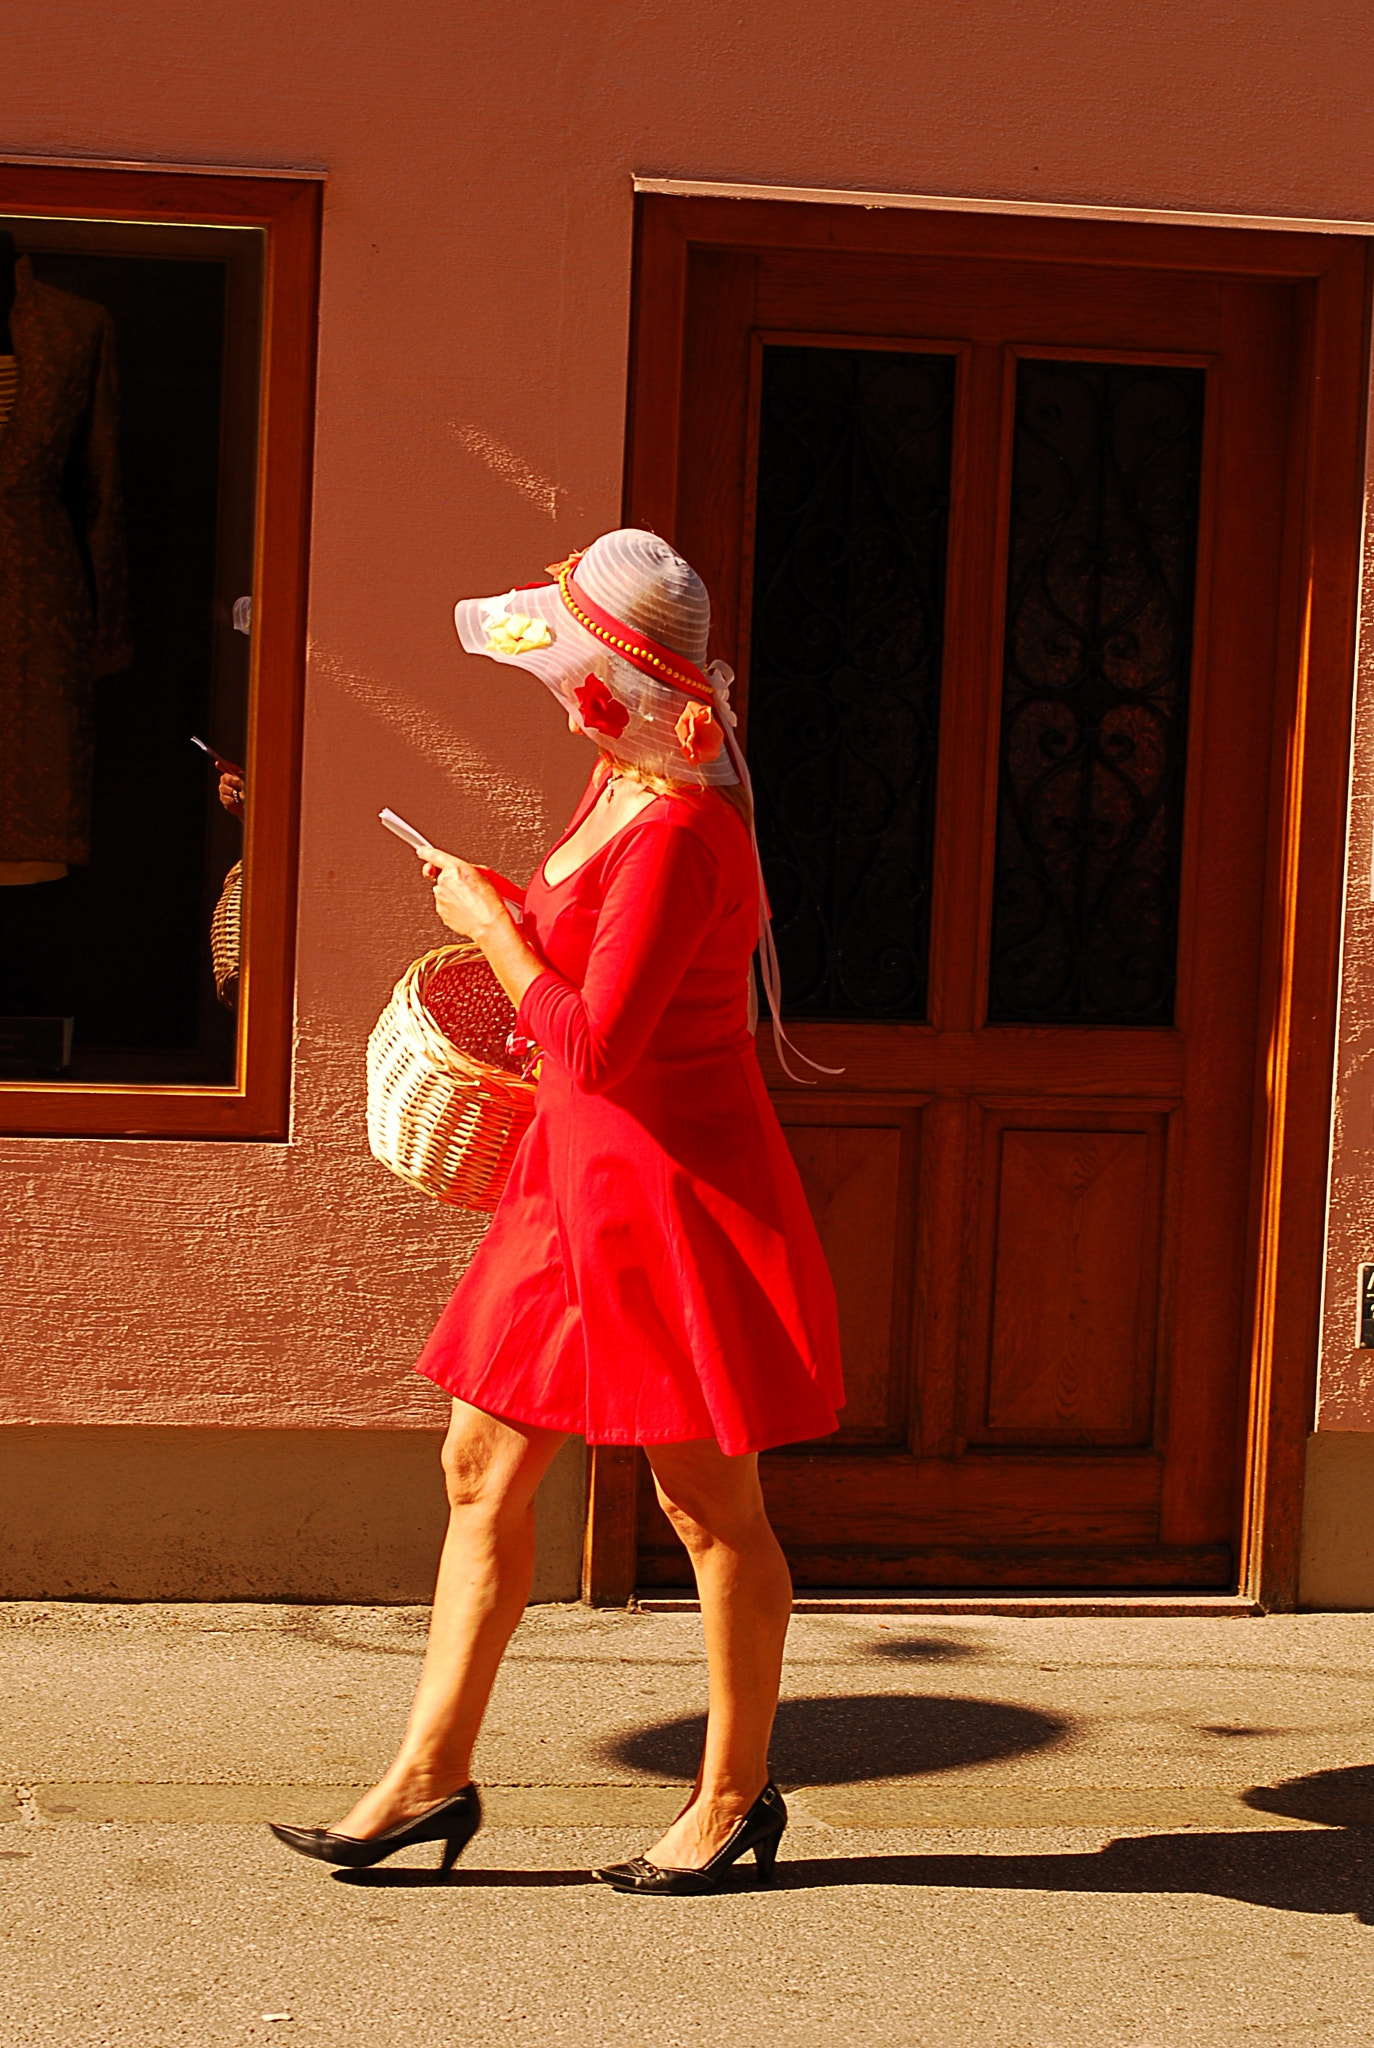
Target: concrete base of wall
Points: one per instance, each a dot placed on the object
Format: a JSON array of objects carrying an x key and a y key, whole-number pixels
[
  {"x": 1338, "y": 1521},
  {"x": 247, "y": 1514}
]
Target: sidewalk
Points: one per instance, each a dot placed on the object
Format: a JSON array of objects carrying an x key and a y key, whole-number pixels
[{"x": 1014, "y": 1833}]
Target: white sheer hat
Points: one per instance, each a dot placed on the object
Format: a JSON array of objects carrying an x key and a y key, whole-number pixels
[{"x": 619, "y": 637}]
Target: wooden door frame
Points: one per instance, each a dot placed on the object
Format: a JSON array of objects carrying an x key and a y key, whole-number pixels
[{"x": 1305, "y": 861}]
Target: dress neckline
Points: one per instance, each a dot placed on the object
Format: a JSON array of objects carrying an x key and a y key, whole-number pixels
[{"x": 579, "y": 818}]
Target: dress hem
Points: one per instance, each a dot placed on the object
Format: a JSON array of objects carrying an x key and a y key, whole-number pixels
[{"x": 622, "y": 1442}]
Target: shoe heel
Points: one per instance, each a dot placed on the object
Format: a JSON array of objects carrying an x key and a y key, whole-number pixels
[
  {"x": 766, "y": 1856},
  {"x": 453, "y": 1849}
]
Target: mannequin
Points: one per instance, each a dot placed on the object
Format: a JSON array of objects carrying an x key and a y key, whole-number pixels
[{"x": 63, "y": 594}]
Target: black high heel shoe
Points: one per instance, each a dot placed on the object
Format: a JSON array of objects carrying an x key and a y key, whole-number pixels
[
  {"x": 760, "y": 1830},
  {"x": 454, "y": 1822}
]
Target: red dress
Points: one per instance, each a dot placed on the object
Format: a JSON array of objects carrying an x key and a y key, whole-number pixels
[{"x": 652, "y": 1273}]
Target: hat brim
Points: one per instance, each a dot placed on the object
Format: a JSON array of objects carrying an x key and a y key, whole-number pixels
[{"x": 560, "y": 666}]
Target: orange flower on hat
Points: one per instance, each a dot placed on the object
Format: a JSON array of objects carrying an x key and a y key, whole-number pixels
[
  {"x": 600, "y": 709},
  {"x": 698, "y": 734}
]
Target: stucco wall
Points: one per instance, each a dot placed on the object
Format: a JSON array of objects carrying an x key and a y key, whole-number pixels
[
  {"x": 1345, "y": 1392},
  {"x": 471, "y": 397}
]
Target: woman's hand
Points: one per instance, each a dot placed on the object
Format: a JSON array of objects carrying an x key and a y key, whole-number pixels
[
  {"x": 464, "y": 895},
  {"x": 469, "y": 902},
  {"x": 231, "y": 793}
]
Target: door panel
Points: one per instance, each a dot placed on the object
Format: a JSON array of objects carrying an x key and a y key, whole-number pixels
[
  {"x": 1037, "y": 1190},
  {"x": 1066, "y": 1285},
  {"x": 799, "y": 291},
  {"x": 934, "y": 1522},
  {"x": 1073, "y": 1231},
  {"x": 853, "y": 1181}
]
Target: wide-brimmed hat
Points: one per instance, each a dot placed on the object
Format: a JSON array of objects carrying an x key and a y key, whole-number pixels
[{"x": 619, "y": 637}]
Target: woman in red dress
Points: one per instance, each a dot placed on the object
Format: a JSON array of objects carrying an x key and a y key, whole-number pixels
[{"x": 652, "y": 1275}]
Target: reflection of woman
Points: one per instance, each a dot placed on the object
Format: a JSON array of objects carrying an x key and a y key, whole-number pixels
[
  {"x": 226, "y": 925},
  {"x": 652, "y": 1275}
]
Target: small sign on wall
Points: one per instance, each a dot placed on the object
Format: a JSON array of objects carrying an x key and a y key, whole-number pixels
[{"x": 1367, "y": 1308}]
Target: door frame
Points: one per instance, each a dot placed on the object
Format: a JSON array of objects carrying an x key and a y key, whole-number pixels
[{"x": 1323, "y": 516}]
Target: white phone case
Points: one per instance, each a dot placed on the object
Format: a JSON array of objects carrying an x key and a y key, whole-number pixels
[
  {"x": 418, "y": 841},
  {"x": 403, "y": 831}
]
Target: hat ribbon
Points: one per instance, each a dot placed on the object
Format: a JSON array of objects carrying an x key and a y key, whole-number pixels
[
  {"x": 628, "y": 642},
  {"x": 666, "y": 666}
]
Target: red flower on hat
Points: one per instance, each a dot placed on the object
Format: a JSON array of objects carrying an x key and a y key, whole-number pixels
[
  {"x": 698, "y": 734},
  {"x": 600, "y": 709}
]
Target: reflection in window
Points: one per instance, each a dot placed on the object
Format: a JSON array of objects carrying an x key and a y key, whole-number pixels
[{"x": 128, "y": 422}]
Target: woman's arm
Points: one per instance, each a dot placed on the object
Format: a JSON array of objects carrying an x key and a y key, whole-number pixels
[{"x": 662, "y": 896}]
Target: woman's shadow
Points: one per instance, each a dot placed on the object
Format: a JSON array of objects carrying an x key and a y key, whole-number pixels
[
  {"x": 1294, "y": 1871},
  {"x": 843, "y": 1738}
]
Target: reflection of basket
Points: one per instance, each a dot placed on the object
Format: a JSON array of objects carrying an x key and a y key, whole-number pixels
[
  {"x": 445, "y": 1118},
  {"x": 226, "y": 934}
]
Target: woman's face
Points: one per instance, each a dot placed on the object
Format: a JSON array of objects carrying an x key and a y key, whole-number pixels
[{"x": 576, "y": 726}]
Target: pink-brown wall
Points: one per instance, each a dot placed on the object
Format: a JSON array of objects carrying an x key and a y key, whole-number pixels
[
  {"x": 1345, "y": 1391},
  {"x": 475, "y": 295}
]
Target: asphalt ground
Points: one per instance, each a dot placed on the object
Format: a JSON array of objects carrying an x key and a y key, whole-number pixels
[{"x": 1045, "y": 1833}]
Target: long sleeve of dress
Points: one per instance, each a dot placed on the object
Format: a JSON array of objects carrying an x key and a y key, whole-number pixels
[
  {"x": 662, "y": 896},
  {"x": 511, "y": 892}
]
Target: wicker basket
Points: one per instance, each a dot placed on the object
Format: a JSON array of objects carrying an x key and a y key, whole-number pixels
[
  {"x": 226, "y": 937},
  {"x": 447, "y": 1103}
]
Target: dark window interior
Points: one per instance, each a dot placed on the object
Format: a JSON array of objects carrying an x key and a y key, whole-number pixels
[
  {"x": 122, "y": 945},
  {"x": 844, "y": 668}
]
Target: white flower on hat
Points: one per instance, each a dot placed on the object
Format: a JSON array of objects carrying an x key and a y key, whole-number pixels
[{"x": 511, "y": 633}]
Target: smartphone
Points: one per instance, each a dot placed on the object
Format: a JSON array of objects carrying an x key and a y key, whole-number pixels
[
  {"x": 418, "y": 841},
  {"x": 403, "y": 831},
  {"x": 224, "y": 767}
]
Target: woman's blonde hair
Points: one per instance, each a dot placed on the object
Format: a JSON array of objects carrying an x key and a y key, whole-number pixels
[{"x": 662, "y": 785}]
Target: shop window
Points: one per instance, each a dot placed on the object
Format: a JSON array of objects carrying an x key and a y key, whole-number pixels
[{"x": 156, "y": 398}]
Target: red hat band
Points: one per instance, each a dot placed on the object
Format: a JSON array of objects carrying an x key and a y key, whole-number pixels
[{"x": 628, "y": 642}]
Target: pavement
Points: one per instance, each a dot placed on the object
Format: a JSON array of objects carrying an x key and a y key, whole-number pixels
[{"x": 1009, "y": 1832}]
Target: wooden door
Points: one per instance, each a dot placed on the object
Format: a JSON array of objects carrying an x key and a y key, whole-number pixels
[{"x": 1002, "y": 543}]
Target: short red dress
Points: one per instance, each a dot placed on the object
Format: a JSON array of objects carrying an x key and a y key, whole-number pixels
[{"x": 652, "y": 1274}]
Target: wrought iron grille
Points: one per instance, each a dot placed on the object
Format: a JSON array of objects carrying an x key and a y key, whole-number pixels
[
  {"x": 1100, "y": 585},
  {"x": 844, "y": 681}
]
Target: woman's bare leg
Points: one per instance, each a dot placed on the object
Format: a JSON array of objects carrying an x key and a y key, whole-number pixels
[
  {"x": 493, "y": 1470},
  {"x": 716, "y": 1506}
]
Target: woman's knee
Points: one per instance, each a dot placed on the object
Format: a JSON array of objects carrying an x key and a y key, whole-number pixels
[
  {"x": 687, "y": 1527},
  {"x": 489, "y": 1464},
  {"x": 701, "y": 1529},
  {"x": 710, "y": 1500},
  {"x": 467, "y": 1464}
]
